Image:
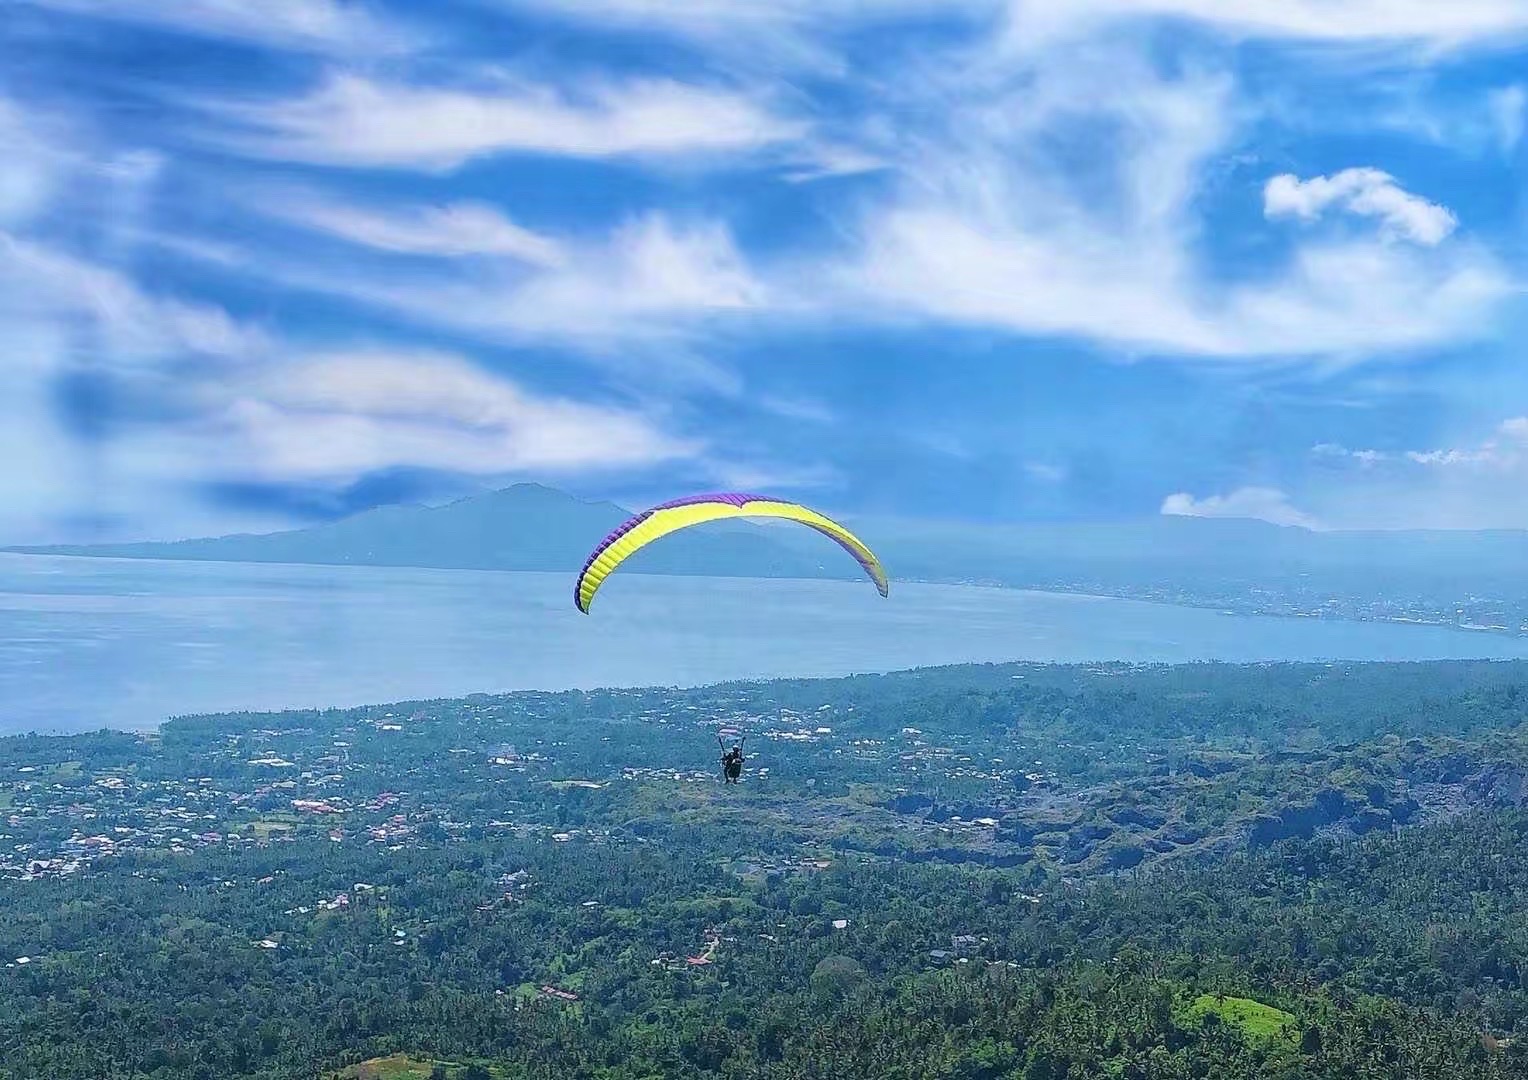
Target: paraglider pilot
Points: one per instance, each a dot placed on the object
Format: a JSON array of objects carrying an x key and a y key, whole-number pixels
[{"x": 732, "y": 760}]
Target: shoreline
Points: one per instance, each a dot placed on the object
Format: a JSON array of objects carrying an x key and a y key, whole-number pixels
[{"x": 1142, "y": 594}]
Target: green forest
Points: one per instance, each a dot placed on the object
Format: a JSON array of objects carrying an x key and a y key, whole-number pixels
[{"x": 1007, "y": 872}]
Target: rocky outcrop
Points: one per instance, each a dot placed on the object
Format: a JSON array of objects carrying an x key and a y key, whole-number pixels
[
  {"x": 1333, "y": 813},
  {"x": 1181, "y": 832},
  {"x": 1123, "y": 857},
  {"x": 1499, "y": 785},
  {"x": 1438, "y": 793},
  {"x": 1329, "y": 808},
  {"x": 1135, "y": 815},
  {"x": 1012, "y": 830}
]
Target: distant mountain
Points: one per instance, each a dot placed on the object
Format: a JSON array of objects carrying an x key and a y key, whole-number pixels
[
  {"x": 524, "y": 527},
  {"x": 1237, "y": 564}
]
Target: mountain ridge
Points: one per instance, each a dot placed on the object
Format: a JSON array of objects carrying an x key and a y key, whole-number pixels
[
  {"x": 527, "y": 527},
  {"x": 1239, "y": 564}
]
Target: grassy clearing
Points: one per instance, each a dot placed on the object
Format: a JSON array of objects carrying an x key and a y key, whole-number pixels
[
  {"x": 1256, "y": 1020},
  {"x": 394, "y": 1067},
  {"x": 63, "y": 770},
  {"x": 405, "y": 1067},
  {"x": 265, "y": 827}
]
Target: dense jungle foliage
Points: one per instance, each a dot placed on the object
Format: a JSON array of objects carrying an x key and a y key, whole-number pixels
[{"x": 1014, "y": 871}]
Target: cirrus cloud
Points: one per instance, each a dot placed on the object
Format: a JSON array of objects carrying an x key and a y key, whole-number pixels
[
  {"x": 1096, "y": 184},
  {"x": 328, "y": 26},
  {"x": 1439, "y": 25},
  {"x": 132, "y": 324},
  {"x": 449, "y": 230},
  {"x": 355, "y": 122},
  {"x": 991, "y": 226},
  {"x": 1476, "y": 483},
  {"x": 337, "y": 417},
  {"x": 653, "y": 283},
  {"x": 1506, "y": 449}
]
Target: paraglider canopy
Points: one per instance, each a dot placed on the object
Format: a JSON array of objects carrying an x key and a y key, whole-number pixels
[{"x": 642, "y": 529}]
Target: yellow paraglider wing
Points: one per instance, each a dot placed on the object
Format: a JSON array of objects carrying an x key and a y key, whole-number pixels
[{"x": 644, "y": 528}]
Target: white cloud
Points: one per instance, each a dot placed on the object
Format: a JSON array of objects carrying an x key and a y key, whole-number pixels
[
  {"x": 189, "y": 393},
  {"x": 52, "y": 169},
  {"x": 453, "y": 229},
  {"x": 356, "y": 122},
  {"x": 823, "y": 160},
  {"x": 1505, "y": 450},
  {"x": 1062, "y": 193},
  {"x": 77, "y": 330},
  {"x": 651, "y": 269},
  {"x": 30, "y": 166},
  {"x": 1508, "y": 107},
  {"x": 1479, "y": 483},
  {"x": 635, "y": 304},
  {"x": 988, "y": 229},
  {"x": 1261, "y": 503},
  {"x": 44, "y": 150},
  {"x": 64, "y": 319},
  {"x": 1335, "y": 451},
  {"x": 316, "y": 421},
  {"x": 1367, "y": 192},
  {"x": 336, "y": 417},
  {"x": 653, "y": 281},
  {"x": 1363, "y": 299},
  {"x": 803, "y": 24},
  {"x": 704, "y": 15},
  {"x": 1484, "y": 455},
  {"x": 991, "y": 227},
  {"x": 257, "y": 416},
  {"x": 341, "y": 26},
  {"x": 132, "y": 324},
  {"x": 1045, "y": 472},
  {"x": 990, "y": 221},
  {"x": 196, "y": 395},
  {"x": 794, "y": 408},
  {"x": 1442, "y": 25},
  {"x": 803, "y": 31},
  {"x": 42, "y": 475}
]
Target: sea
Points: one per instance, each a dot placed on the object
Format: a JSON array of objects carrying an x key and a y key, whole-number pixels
[{"x": 90, "y": 643}]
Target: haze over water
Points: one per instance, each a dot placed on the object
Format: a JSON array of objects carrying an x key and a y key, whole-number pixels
[{"x": 86, "y": 643}]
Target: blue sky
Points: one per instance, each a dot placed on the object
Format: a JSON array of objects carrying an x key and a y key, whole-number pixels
[{"x": 269, "y": 263}]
